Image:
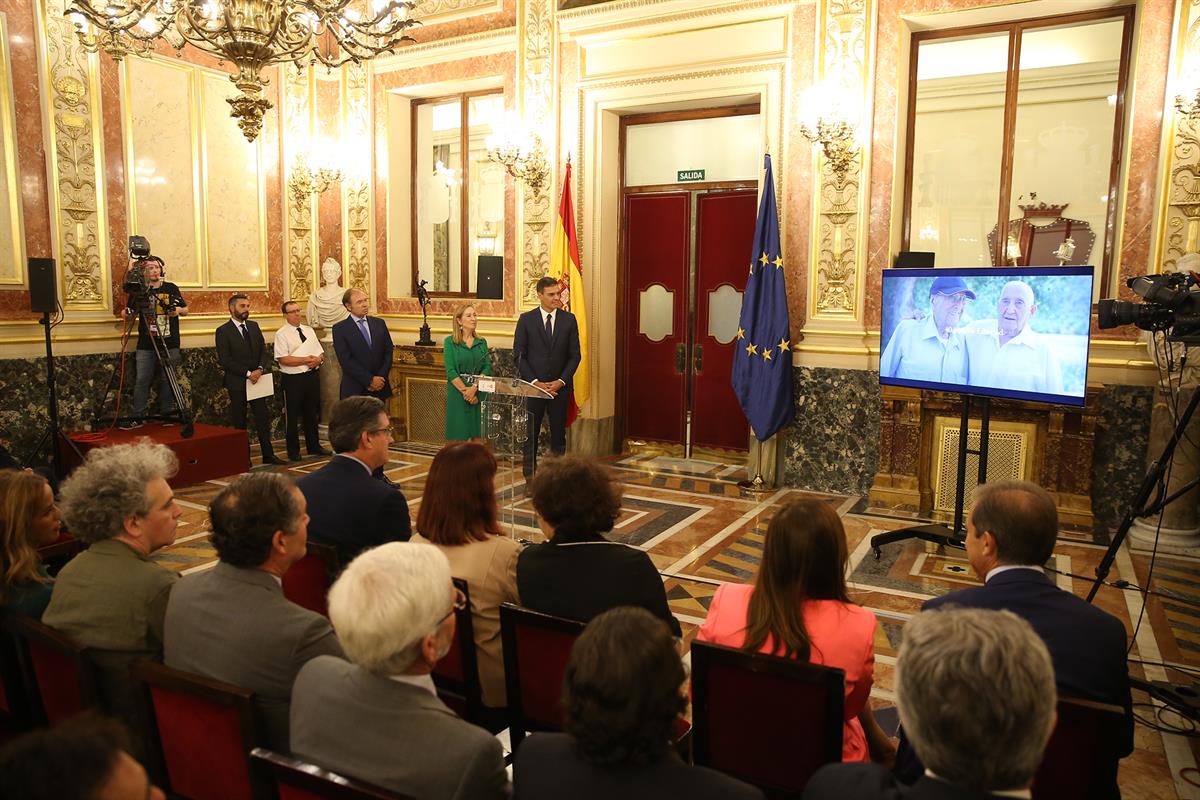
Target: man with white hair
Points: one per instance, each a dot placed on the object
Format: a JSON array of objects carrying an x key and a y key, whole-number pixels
[
  {"x": 1006, "y": 353},
  {"x": 975, "y": 690},
  {"x": 378, "y": 717}
]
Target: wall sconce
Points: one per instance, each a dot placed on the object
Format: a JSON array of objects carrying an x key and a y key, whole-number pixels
[
  {"x": 314, "y": 170},
  {"x": 1187, "y": 101},
  {"x": 831, "y": 121},
  {"x": 485, "y": 240},
  {"x": 520, "y": 153},
  {"x": 1012, "y": 250}
]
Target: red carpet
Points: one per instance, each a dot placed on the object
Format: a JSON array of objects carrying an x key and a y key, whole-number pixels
[{"x": 212, "y": 452}]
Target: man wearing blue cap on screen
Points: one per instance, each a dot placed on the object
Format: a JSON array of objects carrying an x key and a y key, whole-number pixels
[{"x": 931, "y": 349}]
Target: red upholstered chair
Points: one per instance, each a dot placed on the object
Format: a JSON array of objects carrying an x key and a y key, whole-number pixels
[
  {"x": 1082, "y": 755},
  {"x": 536, "y": 649},
  {"x": 457, "y": 674},
  {"x": 766, "y": 720},
  {"x": 299, "y": 780},
  {"x": 16, "y": 708},
  {"x": 203, "y": 733},
  {"x": 307, "y": 582},
  {"x": 64, "y": 677}
]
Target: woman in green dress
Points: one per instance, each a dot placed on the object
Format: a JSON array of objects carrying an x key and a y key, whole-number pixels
[{"x": 465, "y": 354}]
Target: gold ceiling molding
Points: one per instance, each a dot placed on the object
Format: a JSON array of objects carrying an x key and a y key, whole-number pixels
[
  {"x": 619, "y": 16},
  {"x": 537, "y": 88},
  {"x": 501, "y": 40},
  {"x": 1180, "y": 212},
  {"x": 72, "y": 122},
  {"x": 356, "y": 189},
  {"x": 298, "y": 123},
  {"x": 447, "y": 10},
  {"x": 839, "y": 204}
]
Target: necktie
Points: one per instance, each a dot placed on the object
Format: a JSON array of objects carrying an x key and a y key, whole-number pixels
[
  {"x": 302, "y": 339},
  {"x": 242, "y": 328},
  {"x": 549, "y": 328},
  {"x": 362, "y": 326}
]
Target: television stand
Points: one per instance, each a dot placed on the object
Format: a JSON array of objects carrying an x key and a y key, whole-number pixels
[{"x": 937, "y": 533}]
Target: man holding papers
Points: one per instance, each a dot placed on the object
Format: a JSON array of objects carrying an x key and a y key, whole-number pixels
[
  {"x": 242, "y": 353},
  {"x": 300, "y": 356}
]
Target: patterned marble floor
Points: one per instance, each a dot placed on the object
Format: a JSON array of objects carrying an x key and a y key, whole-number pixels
[{"x": 700, "y": 532}]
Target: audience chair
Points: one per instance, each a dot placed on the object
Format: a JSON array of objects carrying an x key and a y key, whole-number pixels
[
  {"x": 55, "y": 555},
  {"x": 457, "y": 674},
  {"x": 766, "y": 720},
  {"x": 56, "y": 670},
  {"x": 307, "y": 582},
  {"x": 16, "y": 708},
  {"x": 1083, "y": 753},
  {"x": 202, "y": 732},
  {"x": 299, "y": 780},
  {"x": 536, "y": 649}
]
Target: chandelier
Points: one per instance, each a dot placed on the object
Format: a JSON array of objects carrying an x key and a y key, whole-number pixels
[{"x": 250, "y": 34}]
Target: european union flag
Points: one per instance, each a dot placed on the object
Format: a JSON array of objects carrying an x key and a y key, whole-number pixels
[{"x": 762, "y": 365}]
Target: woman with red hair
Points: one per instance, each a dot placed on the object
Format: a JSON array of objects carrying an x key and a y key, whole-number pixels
[{"x": 459, "y": 516}]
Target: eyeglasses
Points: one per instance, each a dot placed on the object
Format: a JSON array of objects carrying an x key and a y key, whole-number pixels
[{"x": 460, "y": 602}]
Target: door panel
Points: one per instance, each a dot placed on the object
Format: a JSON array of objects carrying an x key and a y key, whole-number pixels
[
  {"x": 725, "y": 233},
  {"x": 656, "y": 270}
]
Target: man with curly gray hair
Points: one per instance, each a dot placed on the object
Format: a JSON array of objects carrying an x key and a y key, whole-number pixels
[{"x": 112, "y": 597}]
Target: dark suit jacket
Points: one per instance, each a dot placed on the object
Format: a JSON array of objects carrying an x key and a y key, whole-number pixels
[
  {"x": 351, "y": 510},
  {"x": 394, "y": 735},
  {"x": 539, "y": 359},
  {"x": 237, "y": 356},
  {"x": 873, "y": 782},
  {"x": 235, "y": 625},
  {"x": 358, "y": 362},
  {"x": 547, "y": 768},
  {"x": 588, "y": 575}
]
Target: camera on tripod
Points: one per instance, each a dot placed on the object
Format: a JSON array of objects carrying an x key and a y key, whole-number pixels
[
  {"x": 135, "y": 278},
  {"x": 1172, "y": 304}
]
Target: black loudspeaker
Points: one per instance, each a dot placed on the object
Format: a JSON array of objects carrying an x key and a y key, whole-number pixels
[
  {"x": 43, "y": 297},
  {"x": 913, "y": 259},
  {"x": 489, "y": 281}
]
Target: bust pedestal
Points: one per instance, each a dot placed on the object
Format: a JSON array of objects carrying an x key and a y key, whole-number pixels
[
  {"x": 331, "y": 383},
  {"x": 1180, "y": 530}
]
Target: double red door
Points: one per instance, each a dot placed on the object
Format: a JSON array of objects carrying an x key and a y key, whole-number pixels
[{"x": 687, "y": 255}]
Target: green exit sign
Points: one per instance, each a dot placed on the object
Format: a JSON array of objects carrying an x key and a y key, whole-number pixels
[{"x": 686, "y": 175}]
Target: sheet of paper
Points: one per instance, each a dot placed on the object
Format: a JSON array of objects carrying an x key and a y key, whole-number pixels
[
  {"x": 309, "y": 347},
  {"x": 264, "y": 388}
]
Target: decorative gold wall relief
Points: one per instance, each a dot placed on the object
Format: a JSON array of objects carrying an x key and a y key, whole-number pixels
[
  {"x": 301, "y": 214},
  {"x": 71, "y": 111},
  {"x": 356, "y": 194},
  {"x": 1181, "y": 217},
  {"x": 537, "y": 92}
]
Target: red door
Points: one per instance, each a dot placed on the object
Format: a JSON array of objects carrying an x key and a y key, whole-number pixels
[
  {"x": 724, "y": 236},
  {"x": 656, "y": 335}
]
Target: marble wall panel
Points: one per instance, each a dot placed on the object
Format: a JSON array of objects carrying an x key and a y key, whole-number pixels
[
  {"x": 1119, "y": 456},
  {"x": 329, "y": 206},
  {"x": 12, "y": 245},
  {"x": 832, "y": 444},
  {"x": 796, "y": 209}
]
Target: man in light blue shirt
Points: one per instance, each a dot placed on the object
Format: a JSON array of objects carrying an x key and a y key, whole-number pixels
[
  {"x": 1006, "y": 353},
  {"x": 931, "y": 349}
]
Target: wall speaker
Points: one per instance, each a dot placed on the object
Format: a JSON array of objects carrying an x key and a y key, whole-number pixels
[
  {"x": 913, "y": 259},
  {"x": 489, "y": 282},
  {"x": 43, "y": 296}
]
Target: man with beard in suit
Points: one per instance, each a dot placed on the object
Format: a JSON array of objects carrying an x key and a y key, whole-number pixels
[{"x": 242, "y": 353}]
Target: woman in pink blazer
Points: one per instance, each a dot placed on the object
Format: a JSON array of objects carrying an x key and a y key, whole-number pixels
[{"x": 798, "y": 608}]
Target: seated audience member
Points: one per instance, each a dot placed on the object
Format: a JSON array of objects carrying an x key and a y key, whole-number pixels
[
  {"x": 1011, "y": 530},
  {"x": 459, "y": 516},
  {"x": 232, "y": 622},
  {"x": 377, "y": 717},
  {"x": 348, "y": 506},
  {"x": 28, "y": 520},
  {"x": 625, "y": 688},
  {"x": 84, "y": 758},
  {"x": 975, "y": 690},
  {"x": 798, "y": 608},
  {"x": 111, "y": 597},
  {"x": 578, "y": 573}
]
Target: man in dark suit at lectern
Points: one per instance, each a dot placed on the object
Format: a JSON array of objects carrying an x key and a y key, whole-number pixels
[
  {"x": 364, "y": 349},
  {"x": 546, "y": 346},
  {"x": 242, "y": 353}
]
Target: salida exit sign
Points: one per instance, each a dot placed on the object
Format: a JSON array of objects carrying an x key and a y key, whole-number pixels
[{"x": 686, "y": 175}]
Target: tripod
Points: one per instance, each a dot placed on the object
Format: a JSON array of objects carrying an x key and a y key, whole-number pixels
[
  {"x": 52, "y": 434},
  {"x": 148, "y": 318},
  {"x": 937, "y": 533}
]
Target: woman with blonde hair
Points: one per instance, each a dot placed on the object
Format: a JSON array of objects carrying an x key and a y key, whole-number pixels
[
  {"x": 28, "y": 520},
  {"x": 464, "y": 354},
  {"x": 798, "y": 608}
]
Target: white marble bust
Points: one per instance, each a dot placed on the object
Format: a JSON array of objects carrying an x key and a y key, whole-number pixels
[{"x": 325, "y": 307}]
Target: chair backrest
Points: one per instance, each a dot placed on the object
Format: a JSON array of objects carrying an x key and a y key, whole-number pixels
[
  {"x": 15, "y": 703},
  {"x": 1084, "y": 750},
  {"x": 205, "y": 731},
  {"x": 457, "y": 674},
  {"x": 307, "y": 582},
  {"x": 536, "y": 649},
  {"x": 767, "y": 720},
  {"x": 300, "y": 780},
  {"x": 64, "y": 676}
]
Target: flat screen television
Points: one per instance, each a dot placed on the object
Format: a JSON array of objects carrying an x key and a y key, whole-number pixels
[{"x": 1013, "y": 332}]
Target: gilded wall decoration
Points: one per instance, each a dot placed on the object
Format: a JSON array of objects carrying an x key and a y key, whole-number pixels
[
  {"x": 301, "y": 229},
  {"x": 537, "y": 92},
  {"x": 839, "y": 208},
  {"x": 356, "y": 197},
  {"x": 440, "y": 8},
  {"x": 72, "y": 113},
  {"x": 1181, "y": 220}
]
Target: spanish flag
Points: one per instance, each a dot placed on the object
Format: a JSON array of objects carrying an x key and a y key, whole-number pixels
[{"x": 564, "y": 266}]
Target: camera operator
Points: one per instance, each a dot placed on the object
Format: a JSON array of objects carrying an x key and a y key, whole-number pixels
[{"x": 163, "y": 305}]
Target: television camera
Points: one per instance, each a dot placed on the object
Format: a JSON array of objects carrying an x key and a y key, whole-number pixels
[{"x": 1172, "y": 304}]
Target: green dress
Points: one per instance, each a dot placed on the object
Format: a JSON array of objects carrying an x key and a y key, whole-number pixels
[{"x": 462, "y": 418}]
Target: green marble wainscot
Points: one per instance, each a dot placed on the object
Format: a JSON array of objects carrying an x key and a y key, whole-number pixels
[
  {"x": 832, "y": 444},
  {"x": 1119, "y": 455}
]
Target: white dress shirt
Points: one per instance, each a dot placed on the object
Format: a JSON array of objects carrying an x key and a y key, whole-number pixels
[{"x": 287, "y": 341}]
